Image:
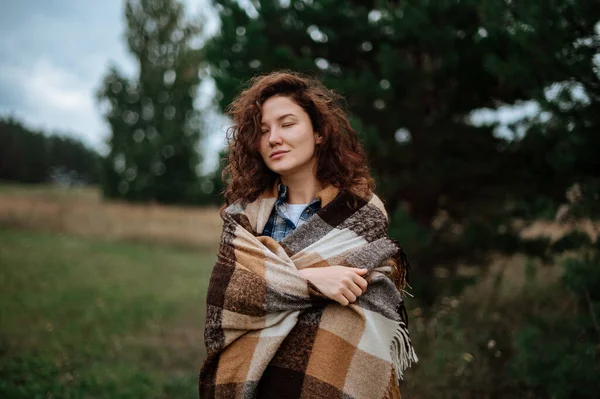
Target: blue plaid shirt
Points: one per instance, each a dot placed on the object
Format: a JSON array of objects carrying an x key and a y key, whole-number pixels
[{"x": 279, "y": 224}]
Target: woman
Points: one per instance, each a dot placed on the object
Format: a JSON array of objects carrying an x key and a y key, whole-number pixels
[{"x": 303, "y": 301}]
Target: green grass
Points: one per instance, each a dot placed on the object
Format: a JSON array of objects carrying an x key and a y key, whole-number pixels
[{"x": 83, "y": 318}]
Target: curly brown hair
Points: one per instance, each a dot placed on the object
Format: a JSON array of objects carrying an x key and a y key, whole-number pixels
[{"x": 341, "y": 160}]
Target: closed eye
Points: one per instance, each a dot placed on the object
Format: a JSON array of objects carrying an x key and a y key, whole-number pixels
[{"x": 288, "y": 124}]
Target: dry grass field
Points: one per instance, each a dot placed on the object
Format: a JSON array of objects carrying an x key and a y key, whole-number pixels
[{"x": 82, "y": 212}]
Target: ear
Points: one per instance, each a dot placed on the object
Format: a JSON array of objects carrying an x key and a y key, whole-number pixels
[{"x": 318, "y": 138}]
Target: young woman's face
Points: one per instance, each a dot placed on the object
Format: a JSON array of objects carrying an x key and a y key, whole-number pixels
[{"x": 287, "y": 143}]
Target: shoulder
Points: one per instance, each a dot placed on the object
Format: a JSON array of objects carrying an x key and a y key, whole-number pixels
[
  {"x": 369, "y": 198},
  {"x": 233, "y": 209},
  {"x": 378, "y": 203}
]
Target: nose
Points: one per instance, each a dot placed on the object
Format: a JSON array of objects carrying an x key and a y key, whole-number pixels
[{"x": 274, "y": 138}]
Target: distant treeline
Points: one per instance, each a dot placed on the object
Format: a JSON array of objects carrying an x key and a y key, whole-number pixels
[{"x": 29, "y": 156}]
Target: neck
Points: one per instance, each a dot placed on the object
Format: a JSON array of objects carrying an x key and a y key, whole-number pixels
[{"x": 302, "y": 187}]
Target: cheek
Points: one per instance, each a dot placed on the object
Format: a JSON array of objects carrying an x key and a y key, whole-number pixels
[{"x": 308, "y": 145}]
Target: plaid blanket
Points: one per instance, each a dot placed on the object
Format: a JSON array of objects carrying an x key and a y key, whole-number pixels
[{"x": 270, "y": 333}]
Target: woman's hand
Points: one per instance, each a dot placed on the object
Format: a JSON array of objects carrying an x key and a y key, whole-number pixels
[{"x": 339, "y": 283}]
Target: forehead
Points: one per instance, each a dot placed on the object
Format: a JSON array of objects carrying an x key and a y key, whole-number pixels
[{"x": 277, "y": 106}]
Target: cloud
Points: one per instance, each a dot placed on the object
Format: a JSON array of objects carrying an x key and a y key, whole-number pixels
[
  {"x": 50, "y": 84},
  {"x": 53, "y": 55},
  {"x": 54, "y": 99},
  {"x": 53, "y": 60}
]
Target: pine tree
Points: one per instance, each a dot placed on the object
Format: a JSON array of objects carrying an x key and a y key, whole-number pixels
[
  {"x": 155, "y": 128},
  {"x": 412, "y": 72}
]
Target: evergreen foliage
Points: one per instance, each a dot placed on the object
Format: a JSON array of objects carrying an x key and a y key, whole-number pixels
[
  {"x": 28, "y": 156},
  {"x": 412, "y": 73},
  {"x": 155, "y": 128}
]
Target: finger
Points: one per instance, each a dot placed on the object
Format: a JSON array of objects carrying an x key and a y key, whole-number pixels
[
  {"x": 361, "y": 282},
  {"x": 360, "y": 272},
  {"x": 356, "y": 290},
  {"x": 349, "y": 295},
  {"x": 342, "y": 300}
]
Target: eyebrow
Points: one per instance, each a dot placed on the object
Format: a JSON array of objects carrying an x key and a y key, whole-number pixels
[{"x": 282, "y": 117}]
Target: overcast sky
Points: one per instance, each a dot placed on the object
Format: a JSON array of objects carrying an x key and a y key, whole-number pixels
[{"x": 53, "y": 55}]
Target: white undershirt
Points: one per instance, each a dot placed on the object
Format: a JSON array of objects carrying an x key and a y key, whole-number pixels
[{"x": 294, "y": 211}]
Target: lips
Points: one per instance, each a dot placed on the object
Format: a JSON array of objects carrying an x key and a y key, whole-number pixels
[{"x": 277, "y": 153}]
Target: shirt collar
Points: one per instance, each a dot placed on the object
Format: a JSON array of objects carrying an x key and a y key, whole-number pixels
[
  {"x": 282, "y": 193},
  {"x": 325, "y": 196}
]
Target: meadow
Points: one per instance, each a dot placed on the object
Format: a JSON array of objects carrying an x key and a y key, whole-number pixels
[{"x": 91, "y": 306}]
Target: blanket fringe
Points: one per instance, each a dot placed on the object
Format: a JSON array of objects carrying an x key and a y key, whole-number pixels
[{"x": 403, "y": 353}]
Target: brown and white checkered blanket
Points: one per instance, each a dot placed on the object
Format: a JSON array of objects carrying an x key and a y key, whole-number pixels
[{"x": 270, "y": 333}]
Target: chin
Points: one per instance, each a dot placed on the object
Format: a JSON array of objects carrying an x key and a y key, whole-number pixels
[
  {"x": 288, "y": 166},
  {"x": 280, "y": 169}
]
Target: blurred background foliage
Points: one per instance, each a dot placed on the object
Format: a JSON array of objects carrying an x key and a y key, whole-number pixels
[
  {"x": 155, "y": 127},
  {"x": 34, "y": 157},
  {"x": 500, "y": 222}
]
